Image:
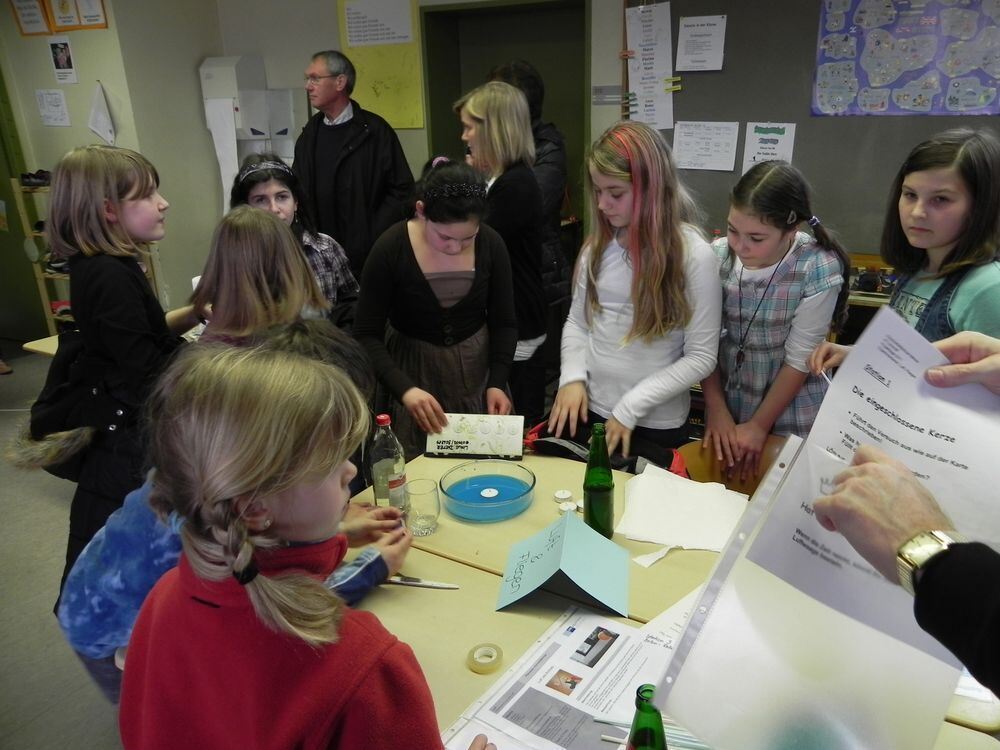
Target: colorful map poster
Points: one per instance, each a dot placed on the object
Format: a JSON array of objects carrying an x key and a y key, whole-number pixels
[{"x": 907, "y": 57}]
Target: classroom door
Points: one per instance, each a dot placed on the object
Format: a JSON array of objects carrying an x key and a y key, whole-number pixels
[
  {"x": 461, "y": 45},
  {"x": 21, "y": 315}
]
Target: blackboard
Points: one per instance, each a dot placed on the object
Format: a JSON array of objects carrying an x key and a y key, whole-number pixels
[{"x": 767, "y": 75}]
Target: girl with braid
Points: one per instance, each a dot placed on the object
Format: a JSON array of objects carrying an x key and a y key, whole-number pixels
[
  {"x": 781, "y": 289},
  {"x": 251, "y": 448}
]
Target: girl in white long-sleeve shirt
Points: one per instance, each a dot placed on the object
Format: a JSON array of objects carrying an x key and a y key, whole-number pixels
[{"x": 644, "y": 323}]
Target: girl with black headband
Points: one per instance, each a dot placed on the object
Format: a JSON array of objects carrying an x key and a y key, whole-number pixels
[{"x": 442, "y": 283}]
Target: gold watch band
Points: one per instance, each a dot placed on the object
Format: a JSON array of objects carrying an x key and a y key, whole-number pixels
[{"x": 917, "y": 551}]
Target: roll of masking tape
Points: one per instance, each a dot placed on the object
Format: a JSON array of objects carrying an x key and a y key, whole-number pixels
[{"x": 484, "y": 658}]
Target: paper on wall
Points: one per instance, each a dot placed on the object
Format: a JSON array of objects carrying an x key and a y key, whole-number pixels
[
  {"x": 100, "y": 116},
  {"x": 706, "y": 145},
  {"x": 52, "y": 107},
  {"x": 765, "y": 141},
  {"x": 701, "y": 42}
]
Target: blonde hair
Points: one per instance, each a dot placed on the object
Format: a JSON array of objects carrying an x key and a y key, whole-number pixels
[
  {"x": 85, "y": 183},
  {"x": 256, "y": 274},
  {"x": 501, "y": 113},
  {"x": 636, "y": 153},
  {"x": 231, "y": 425}
]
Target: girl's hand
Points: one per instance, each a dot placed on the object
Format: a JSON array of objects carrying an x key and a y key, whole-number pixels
[
  {"x": 720, "y": 436},
  {"x": 497, "y": 402},
  {"x": 750, "y": 439},
  {"x": 364, "y": 524},
  {"x": 425, "y": 410},
  {"x": 393, "y": 548},
  {"x": 570, "y": 405},
  {"x": 827, "y": 356},
  {"x": 616, "y": 433}
]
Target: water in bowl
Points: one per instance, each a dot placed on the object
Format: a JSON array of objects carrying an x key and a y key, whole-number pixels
[{"x": 479, "y": 497}]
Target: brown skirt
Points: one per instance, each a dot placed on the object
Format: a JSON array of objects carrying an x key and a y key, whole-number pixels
[{"x": 455, "y": 375}]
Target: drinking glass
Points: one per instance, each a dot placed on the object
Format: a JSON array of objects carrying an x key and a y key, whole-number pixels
[{"x": 424, "y": 506}]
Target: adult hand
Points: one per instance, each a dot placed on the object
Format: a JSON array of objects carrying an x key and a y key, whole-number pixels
[
  {"x": 616, "y": 433},
  {"x": 393, "y": 547},
  {"x": 750, "y": 439},
  {"x": 570, "y": 406},
  {"x": 498, "y": 403},
  {"x": 482, "y": 743},
  {"x": 827, "y": 356},
  {"x": 720, "y": 436},
  {"x": 425, "y": 410},
  {"x": 878, "y": 504},
  {"x": 975, "y": 358},
  {"x": 364, "y": 524}
]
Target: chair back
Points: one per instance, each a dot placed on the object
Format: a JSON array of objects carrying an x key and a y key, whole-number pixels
[{"x": 703, "y": 466}]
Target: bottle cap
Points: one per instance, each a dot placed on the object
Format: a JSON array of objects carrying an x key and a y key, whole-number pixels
[
  {"x": 382, "y": 420},
  {"x": 561, "y": 496},
  {"x": 567, "y": 507}
]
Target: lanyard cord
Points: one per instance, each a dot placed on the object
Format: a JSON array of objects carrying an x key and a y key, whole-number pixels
[{"x": 745, "y": 333}]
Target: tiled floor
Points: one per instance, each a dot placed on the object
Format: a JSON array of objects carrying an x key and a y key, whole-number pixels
[{"x": 46, "y": 698}]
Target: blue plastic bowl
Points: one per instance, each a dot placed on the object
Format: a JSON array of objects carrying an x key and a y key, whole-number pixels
[{"x": 487, "y": 491}]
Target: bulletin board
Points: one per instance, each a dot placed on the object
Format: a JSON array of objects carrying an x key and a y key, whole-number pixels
[
  {"x": 382, "y": 39},
  {"x": 767, "y": 76}
]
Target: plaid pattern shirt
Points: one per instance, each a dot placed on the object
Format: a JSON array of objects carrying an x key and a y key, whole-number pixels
[
  {"x": 807, "y": 270},
  {"x": 330, "y": 267}
]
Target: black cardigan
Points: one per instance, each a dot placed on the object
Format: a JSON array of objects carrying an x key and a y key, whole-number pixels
[{"x": 394, "y": 289}]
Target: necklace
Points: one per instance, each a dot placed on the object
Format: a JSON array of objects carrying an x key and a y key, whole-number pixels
[{"x": 744, "y": 333}]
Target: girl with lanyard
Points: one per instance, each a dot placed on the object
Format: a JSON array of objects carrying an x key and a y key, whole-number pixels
[{"x": 781, "y": 289}]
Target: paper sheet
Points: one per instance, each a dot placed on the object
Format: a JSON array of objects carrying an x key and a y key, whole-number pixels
[
  {"x": 850, "y": 667},
  {"x": 668, "y": 509},
  {"x": 706, "y": 145},
  {"x": 52, "y": 107},
  {"x": 765, "y": 141},
  {"x": 647, "y": 31},
  {"x": 584, "y": 666},
  {"x": 100, "y": 121},
  {"x": 701, "y": 42}
]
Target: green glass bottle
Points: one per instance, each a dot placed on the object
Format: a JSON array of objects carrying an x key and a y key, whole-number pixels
[
  {"x": 647, "y": 726},
  {"x": 599, "y": 486}
]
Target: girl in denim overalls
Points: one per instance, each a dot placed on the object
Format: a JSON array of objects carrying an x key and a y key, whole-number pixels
[
  {"x": 942, "y": 235},
  {"x": 781, "y": 289}
]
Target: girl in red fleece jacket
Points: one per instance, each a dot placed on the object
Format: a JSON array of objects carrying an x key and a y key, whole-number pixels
[{"x": 241, "y": 645}]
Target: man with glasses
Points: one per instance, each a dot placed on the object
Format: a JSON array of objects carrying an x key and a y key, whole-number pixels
[{"x": 349, "y": 162}]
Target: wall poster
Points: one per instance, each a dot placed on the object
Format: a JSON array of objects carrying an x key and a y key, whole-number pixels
[{"x": 907, "y": 57}]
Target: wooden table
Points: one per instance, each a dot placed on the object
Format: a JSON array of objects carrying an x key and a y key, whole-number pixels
[
  {"x": 486, "y": 546},
  {"x": 46, "y": 346},
  {"x": 443, "y": 625}
]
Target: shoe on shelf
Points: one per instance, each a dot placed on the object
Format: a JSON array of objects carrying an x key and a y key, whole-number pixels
[
  {"x": 41, "y": 178},
  {"x": 5, "y": 369},
  {"x": 57, "y": 265}
]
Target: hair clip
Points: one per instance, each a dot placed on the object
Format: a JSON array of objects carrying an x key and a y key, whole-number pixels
[
  {"x": 247, "y": 574},
  {"x": 439, "y": 160},
  {"x": 792, "y": 218},
  {"x": 814, "y": 221}
]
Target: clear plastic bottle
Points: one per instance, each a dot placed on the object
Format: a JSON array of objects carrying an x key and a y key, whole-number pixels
[{"x": 388, "y": 465}]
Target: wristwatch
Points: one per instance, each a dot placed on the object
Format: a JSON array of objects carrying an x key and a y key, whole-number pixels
[{"x": 917, "y": 551}]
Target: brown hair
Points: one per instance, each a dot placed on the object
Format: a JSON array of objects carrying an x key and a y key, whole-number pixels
[
  {"x": 84, "y": 183},
  {"x": 256, "y": 274}
]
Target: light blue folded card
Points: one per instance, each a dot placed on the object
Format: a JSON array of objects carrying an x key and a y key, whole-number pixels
[{"x": 571, "y": 559}]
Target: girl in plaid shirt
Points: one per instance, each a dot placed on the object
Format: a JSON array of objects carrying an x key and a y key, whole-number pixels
[
  {"x": 266, "y": 182},
  {"x": 781, "y": 290}
]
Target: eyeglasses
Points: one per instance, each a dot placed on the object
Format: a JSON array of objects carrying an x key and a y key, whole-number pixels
[{"x": 314, "y": 80}]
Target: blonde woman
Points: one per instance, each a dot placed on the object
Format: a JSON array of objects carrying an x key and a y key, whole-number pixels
[
  {"x": 644, "y": 323},
  {"x": 496, "y": 129},
  {"x": 241, "y": 645},
  {"x": 255, "y": 277}
]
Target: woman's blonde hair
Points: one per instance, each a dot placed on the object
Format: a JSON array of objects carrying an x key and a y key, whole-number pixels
[
  {"x": 636, "y": 153},
  {"x": 501, "y": 114},
  {"x": 233, "y": 425},
  {"x": 256, "y": 274},
  {"x": 85, "y": 184}
]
